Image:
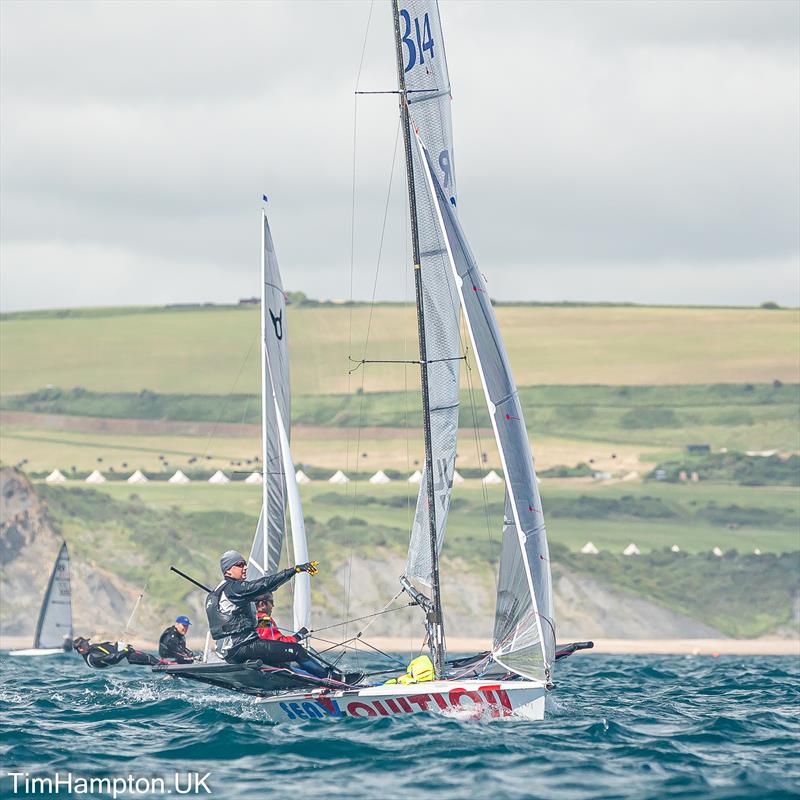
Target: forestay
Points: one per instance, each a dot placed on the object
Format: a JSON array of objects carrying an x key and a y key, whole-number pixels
[
  {"x": 428, "y": 94},
  {"x": 55, "y": 618},
  {"x": 279, "y": 481},
  {"x": 524, "y": 633}
]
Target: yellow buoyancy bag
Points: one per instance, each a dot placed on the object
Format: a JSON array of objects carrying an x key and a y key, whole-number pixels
[{"x": 419, "y": 671}]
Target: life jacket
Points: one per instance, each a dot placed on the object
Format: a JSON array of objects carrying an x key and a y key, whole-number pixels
[
  {"x": 267, "y": 629},
  {"x": 230, "y": 625}
]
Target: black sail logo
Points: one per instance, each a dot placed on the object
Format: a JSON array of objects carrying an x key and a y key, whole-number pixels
[{"x": 277, "y": 323}]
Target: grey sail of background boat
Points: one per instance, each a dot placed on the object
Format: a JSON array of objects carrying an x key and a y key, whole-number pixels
[
  {"x": 428, "y": 91},
  {"x": 279, "y": 480},
  {"x": 54, "y": 625},
  {"x": 524, "y": 631}
]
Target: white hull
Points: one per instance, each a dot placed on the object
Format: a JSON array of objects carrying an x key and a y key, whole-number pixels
[
  {"x": 38, "y": 651},
  {"x": 464, "y": 699}
]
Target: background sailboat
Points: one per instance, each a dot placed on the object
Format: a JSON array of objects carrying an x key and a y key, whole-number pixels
[{"x": 54, "y": 627}]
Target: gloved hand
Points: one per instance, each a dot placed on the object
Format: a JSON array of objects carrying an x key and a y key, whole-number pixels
[{"x": 311, "y": 567}]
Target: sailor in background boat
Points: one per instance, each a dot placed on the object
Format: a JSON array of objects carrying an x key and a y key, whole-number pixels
[
  {"x": 172, "y": 644},
  {"x": 107, "y": 654},
  {"x": 233, "y": 624}
]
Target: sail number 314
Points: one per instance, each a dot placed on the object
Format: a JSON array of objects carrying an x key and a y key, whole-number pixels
[{"x": 421, "y": 42}]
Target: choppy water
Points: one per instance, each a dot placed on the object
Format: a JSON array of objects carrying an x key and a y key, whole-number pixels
[{"x": 619, "y": 727}]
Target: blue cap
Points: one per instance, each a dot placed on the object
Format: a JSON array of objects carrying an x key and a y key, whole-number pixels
[{"x": 183, "y": 620}]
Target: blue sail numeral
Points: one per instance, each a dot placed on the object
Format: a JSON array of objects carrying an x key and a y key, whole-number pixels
[{"x": 423, "y": 36}]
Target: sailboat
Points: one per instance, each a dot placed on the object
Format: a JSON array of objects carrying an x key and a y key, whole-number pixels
[
  {"x": 54, "y": 627},
  {"x": 514, "y": 677},
  {"x": 279, "y": 492}
]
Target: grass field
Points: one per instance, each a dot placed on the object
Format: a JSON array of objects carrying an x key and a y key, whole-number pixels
[
  {"x": 473, "y": 527},
  {"x": 137, "y": 534},
  {"x": 213, "y": 350}
]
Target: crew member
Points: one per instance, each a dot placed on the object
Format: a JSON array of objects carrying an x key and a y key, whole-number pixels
[
  {"x": 172, "y": 644},
  {"x": 107, "y": 654},
  {"x": 233, "y": 624},
  {"x": 265, "y": 625}
]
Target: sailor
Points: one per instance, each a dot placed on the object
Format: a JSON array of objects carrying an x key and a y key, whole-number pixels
[
  {"x": 265, "y": 625},
  {"x": 107, "y": 654},
  {"x": 233, "y": 624},
  {"x": 172, "y": 644}
]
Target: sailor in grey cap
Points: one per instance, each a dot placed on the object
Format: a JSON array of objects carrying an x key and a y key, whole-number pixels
[{"x": 232, "y": 619}]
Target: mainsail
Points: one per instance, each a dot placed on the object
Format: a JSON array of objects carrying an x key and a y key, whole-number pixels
[
  {"x": 428, "y": 95},
  {"x": 55, "y": 617},
  {"x": 279, "y": 481},
  {"x": 524, "y": 633}
]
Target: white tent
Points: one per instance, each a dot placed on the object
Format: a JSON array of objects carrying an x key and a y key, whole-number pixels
[
  {"x": 415, "y": 477},
  {"x": 757, "y": 552},
  {"x": 96, "y": 477},
  {"x": 380, "y": 477},
  {"x": 55, "y": 476},
  {"x": 492, "y": 478},
  {"x": 631, "y": 550},
  {"x": 339, "y": 477},
  {"x": 675, "y": 548},
  {"x": 179, "y": 477},
  {"x": 457, "y": 477},
  {"x": 137, "y": 477},
  {"x": 253, "y": 477},
  {"x": 219, "y": 477},
  {"x": 717, "y": 552},
  {"x": 302, "y": 478},
  {"x": 589, "y": 549}
]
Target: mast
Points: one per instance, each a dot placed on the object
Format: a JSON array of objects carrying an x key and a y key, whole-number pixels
[
  {"x": 264, "y": 399},
  {"x": 435, "y": 620}
]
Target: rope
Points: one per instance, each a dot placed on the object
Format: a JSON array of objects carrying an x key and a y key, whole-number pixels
[{"x": 358, "y": 619}]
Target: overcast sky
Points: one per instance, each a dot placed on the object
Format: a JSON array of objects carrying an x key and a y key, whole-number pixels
[{"x": 636, "y": 151}]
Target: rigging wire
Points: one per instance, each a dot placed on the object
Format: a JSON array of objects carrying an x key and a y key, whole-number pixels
[{"x": 347, "y": 583}]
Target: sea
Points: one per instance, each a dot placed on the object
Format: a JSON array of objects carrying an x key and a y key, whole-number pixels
[{"x": 618, "y": 727}]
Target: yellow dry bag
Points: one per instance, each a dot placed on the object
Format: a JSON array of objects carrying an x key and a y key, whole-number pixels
[{"x": 419, "y": 671}]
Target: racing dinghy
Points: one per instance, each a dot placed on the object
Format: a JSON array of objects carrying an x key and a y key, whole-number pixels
[
  {"x": 515, "y": 676},
  {"x": 54, "y": 626},
  {"x": 279, "y": 491}
]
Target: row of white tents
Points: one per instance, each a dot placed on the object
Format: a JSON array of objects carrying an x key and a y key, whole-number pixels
[
  {"x": 219, "y": 477},
  {"x": 590, "y": 549}
]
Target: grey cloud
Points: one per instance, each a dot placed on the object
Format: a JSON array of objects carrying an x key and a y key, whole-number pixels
[{"x": 654, "y": 144}]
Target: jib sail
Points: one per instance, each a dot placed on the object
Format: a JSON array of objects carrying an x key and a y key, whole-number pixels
[{"x": 524, "y": 633}]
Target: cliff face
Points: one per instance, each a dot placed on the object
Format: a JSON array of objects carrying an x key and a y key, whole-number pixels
[
  {"x": 29, "y": 543},
  {"x": 351, "y": 587}
]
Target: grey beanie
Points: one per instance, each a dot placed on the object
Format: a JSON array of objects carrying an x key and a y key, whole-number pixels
[{"x": 229, "y": 558}]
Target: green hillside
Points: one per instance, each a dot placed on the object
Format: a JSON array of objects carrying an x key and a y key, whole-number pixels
[
  {"x": 213, "y": 350},
  {"x": 741, "y": 595}
]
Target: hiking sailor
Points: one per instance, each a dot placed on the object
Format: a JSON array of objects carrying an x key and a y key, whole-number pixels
[
  {"x": 107, "y": 654},
  {"x": 232, "y": 620},
  {"x": 172, "y": 644}
]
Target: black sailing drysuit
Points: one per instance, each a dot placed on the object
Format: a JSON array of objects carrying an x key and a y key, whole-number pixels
[
  {"x": 231, "y": 614},
  {"x": 107, "y": 654},
  {"x": 172, "y": 645}
]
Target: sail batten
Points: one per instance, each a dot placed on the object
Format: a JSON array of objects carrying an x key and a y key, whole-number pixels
[
  {"x": 54, "y": 625},
  {"x": 524, "y": 636},
  {"x": 426, "y": 76}
]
